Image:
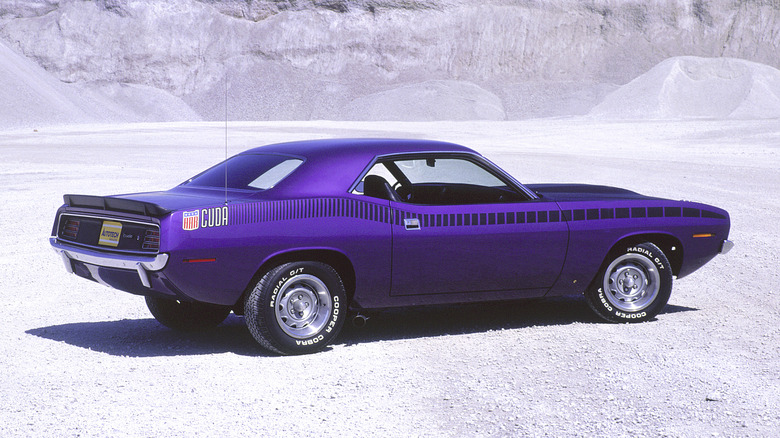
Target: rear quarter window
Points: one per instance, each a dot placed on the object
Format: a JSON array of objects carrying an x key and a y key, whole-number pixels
[{"x": 247, "y": 172}]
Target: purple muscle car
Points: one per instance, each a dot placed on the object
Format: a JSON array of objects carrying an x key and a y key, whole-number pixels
[{"x": 296, "y": 235}]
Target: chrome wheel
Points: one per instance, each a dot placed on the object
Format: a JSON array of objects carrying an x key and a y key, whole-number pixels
[
  {"x": 303, "y": 307},
  {"x": 631, "y": 282}
]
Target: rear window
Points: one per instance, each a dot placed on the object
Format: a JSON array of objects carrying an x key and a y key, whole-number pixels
[{"x": 247, "y": 172}]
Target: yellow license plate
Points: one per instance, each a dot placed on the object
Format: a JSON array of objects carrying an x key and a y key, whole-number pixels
[{"x": 109, "y": 234}]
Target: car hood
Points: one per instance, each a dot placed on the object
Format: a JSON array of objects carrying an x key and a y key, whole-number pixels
[{"x": 583, "y": 192}]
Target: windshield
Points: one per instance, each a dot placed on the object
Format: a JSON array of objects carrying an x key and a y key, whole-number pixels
[{"x": 247, "y": 172}]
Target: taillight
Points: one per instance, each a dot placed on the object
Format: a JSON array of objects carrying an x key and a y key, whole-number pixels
[
  {"x": 152, "y": 240},
  {"x": 70, "y": 229}
]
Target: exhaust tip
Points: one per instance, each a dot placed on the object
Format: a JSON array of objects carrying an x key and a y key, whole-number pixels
[{"x": 359, "y": 320}]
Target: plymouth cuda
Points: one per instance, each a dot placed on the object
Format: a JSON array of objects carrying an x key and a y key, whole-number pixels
[{"x": 296, "y": 236}]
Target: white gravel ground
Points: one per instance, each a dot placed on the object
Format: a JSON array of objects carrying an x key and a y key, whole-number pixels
[{"x": 80, "y": 359}]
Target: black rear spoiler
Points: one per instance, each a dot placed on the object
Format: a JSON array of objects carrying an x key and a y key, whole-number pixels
[{"x": 116, "y": 204}]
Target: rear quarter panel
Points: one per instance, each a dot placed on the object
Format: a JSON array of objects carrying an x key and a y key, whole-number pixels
[{"x": 255, "y": 232}]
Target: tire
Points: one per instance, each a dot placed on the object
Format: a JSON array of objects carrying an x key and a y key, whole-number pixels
[
  {"x": 296, "y": 308},
  {"x": 186, "y": 316},
  {"x": 633, "y": 286}
]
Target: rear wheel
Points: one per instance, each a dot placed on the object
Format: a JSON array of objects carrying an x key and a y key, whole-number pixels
[
  {"x": 634, "y": 286},
  {"x": 296, "y": 308},
  {"x": 186, "y": 316}
]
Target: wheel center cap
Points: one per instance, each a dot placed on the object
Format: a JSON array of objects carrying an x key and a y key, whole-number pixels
[{"x": 299, "y": 305}]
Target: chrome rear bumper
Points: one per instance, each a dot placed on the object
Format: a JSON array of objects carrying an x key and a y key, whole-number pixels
[
  {"x": 141, "y": 264},
  {"x": 726, "y": 246}
]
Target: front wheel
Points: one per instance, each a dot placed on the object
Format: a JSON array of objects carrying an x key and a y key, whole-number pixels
[
  {"x": 634, "y": 286},
  {"x": 296, "y": 308}
]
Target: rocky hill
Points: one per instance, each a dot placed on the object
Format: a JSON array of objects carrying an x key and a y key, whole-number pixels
[{"x": 296, "y": 59}]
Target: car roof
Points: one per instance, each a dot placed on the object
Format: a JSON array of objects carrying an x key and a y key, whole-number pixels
[
  {"x": 332, "y": 165},
  {"x": 357, "y": 148}
]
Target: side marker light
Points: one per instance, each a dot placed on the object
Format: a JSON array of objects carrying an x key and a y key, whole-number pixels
[{"x": 199, "y": 260}]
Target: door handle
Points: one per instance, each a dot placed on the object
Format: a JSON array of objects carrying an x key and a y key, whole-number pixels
[{"x": 412, "y": 224}]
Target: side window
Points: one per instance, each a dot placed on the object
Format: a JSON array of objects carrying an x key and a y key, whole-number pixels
[
  {"x": 247, "y": 172},
  {"x": 275, "y": 174},
  {"x": 378, "y": 169},
  {"x": 435, "y": 181},
  {"x": 447, "y": 171}
]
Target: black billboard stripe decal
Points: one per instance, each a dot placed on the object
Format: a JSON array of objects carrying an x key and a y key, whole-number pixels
[
  {"x": 712, "y": 215},
  {"x": 339, "y": 207},
  {"x": 673, "y": 212}
]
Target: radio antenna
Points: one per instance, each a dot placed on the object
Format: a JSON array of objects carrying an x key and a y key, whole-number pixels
[{"x": 226, "y": 136}]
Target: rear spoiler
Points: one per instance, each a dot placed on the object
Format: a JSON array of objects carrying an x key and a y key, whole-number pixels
[{"x": 116, "y": 204}]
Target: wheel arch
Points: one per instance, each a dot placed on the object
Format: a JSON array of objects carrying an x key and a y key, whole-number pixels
[
  {"x": 669, "y": 244},
  {"x": 336, "y": 259}
]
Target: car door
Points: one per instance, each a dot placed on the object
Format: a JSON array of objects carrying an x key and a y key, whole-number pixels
[
  {"x": 477, "y": 248},
  {"x": 459, "y": 225}
]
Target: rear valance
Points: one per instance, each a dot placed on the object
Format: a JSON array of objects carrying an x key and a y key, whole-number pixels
[{"x": 116, "y": 204}]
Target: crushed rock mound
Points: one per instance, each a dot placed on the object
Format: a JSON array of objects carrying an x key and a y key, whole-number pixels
[
  {"x": 697, "y": 88},
  {"x": 31, "y": 96},
  {"x": 428, "y": 101}
]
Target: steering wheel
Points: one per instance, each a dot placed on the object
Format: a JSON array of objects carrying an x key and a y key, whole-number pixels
[{"x": 403, "y": 192}]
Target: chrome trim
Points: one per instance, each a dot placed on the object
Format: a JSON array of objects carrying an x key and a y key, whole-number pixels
[
  {"x": 142, "y": 265},
  {"x": 412, "y": 224},
  {"x": 120, "y": 252},
  {"x": 76, "y": 214},
  {"x": 475, "y": 156},
  {"x": 530, "y": 193},
  {"x": 726, "y": 246},
  {"x": 66, "y": 260},
  {"x": 103, "y": 217}
]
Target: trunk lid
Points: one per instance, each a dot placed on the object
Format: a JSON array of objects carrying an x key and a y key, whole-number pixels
[{"x": 129, "y": 223}]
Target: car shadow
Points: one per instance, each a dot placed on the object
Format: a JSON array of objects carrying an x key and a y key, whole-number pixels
[
  {"x": 454, "y": 319},
  {"x": 147, "y": 338}
]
